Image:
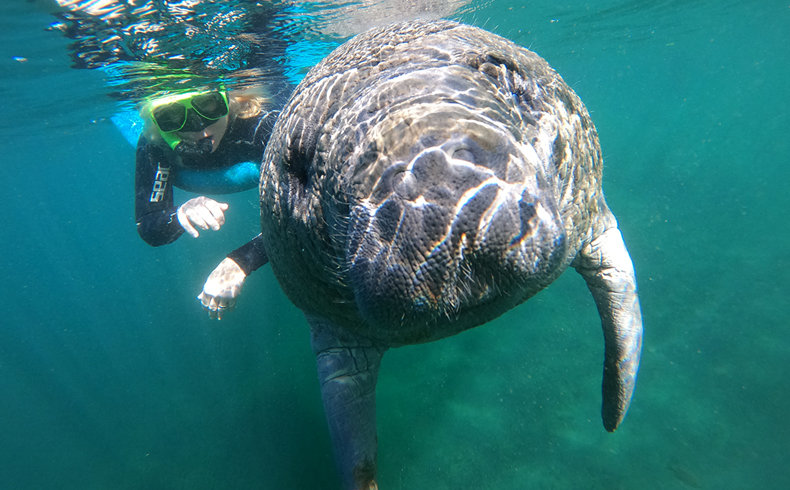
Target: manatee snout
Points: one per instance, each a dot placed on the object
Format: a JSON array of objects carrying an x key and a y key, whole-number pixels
[{"x": 458, "y": 219}]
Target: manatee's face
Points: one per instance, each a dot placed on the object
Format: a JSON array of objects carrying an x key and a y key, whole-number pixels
[{"x": 451, "y": 213}]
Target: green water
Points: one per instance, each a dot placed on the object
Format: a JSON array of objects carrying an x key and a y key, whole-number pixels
[{"x": 111, "y": 376}]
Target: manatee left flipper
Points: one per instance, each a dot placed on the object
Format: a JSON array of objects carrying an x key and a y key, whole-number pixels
[
  {"x": 606, "y": 265},
  {"x": 348, "y": 370}
]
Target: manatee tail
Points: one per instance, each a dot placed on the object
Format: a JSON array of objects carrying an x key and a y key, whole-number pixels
[{"x": 607, "y": 268}]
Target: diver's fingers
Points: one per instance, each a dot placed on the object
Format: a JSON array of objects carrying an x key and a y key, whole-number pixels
[
  {"x": 201, "y": 212},
  {"x": 221, "y": 303},
  {"x": 225, "y": 304},
  {"x": 205, "y": 301},
  {"x": 197, "y": 218},
  {"x": 217, "y": 210},
  {"x": 203, "y": 218},
  {"x": 221, "y": 288},
  {"x": 209, "y": 304},
  {"x": 183, "y": 220}
]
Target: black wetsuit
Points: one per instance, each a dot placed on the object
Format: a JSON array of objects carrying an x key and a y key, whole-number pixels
[{"x": 155, "y": 212}]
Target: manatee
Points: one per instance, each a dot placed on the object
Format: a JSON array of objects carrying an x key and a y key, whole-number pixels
[{"x": 423, "y": 179}]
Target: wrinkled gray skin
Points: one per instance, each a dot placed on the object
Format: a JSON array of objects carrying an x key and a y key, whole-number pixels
[{"x": 424, "y": 179}]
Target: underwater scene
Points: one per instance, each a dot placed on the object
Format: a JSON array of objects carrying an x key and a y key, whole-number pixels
[{"x": 113, "y": 376}]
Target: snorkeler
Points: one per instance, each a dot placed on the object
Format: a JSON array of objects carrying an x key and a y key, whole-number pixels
[{"x": 192, "y": 134}]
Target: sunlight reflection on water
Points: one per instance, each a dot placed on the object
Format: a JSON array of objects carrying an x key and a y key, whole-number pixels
[{"x": 157, "y": 47}]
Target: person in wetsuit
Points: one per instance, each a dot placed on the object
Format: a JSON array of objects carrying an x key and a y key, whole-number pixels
[
  {"x": 146, "y": 44},
  {"x": 191, "y": 133}
]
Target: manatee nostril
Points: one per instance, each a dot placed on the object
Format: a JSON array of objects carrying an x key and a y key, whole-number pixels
[
  {"x": 464, "y": 154},
  {"x": 407, "y": 187},
  {"x": 388, "y": 182}
]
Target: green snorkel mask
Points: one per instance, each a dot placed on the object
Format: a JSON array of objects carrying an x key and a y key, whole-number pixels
[{"x": 190, "y": 111}]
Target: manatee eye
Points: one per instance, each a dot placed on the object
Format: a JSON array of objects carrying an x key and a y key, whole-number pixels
[{"x": 464, "y": 154}]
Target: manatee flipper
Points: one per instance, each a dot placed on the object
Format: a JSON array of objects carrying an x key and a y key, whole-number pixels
[
  {"x": 606, "y": 266},
  {"x": 348, "y": 370}
]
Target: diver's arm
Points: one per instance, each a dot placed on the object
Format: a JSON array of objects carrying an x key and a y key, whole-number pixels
[
  {"x": 250, "y": 256},
  {"x": 159, "y": 222},
  {"x": 155, "y": 214},
  {"x": 225, "y": 281}
]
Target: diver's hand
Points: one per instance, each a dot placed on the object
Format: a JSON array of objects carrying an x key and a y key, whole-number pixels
[
  {"x": 202, "y": 212},
  {"x": 222, "y": 287}
]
